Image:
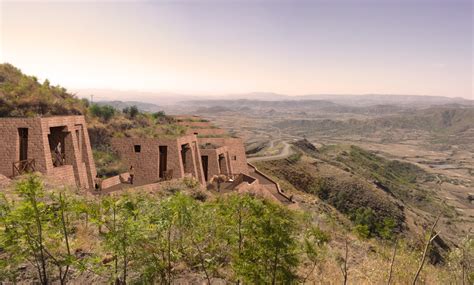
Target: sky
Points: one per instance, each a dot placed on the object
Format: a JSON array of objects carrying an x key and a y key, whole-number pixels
[{"x": 294, "y": 47}]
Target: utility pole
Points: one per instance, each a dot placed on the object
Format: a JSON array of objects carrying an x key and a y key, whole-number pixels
[{"x": 92, "y": 99}]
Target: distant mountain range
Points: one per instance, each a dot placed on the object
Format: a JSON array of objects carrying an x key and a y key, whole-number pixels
[
  {"x": 164, "y": 98},
  {"x": 358, "y": 100}
]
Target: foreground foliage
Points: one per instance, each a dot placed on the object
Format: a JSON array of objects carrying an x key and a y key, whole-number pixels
[
  {"x": 148, "y": 238},
  {"x": 145, "y": 239}
]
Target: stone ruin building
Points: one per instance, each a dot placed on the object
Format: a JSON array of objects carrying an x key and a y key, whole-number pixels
[{"x": 59, "y": 147}]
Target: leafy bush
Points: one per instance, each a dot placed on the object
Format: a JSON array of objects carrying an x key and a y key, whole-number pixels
[
  {"x": 132, "y": 111},
  {"x": 105, "y": 113},
  {"x": 367, "y": 224},
  {"x": 160, "y": 114}
]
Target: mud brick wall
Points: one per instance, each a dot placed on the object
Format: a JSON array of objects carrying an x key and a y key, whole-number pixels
[
  {"x": 78, "y": 151},
  {"x": 213, "y": 161},
  {"x": 115, "y": 180},
  {"x": 236, "y": 150},
  {"x": 10, "y": 143},
  {"x": 77, "y": 147},
  {"x": 196, "y": 166},
  {"x": 229, "y": 169},
  {"x": 147, "y": 162},
  {"x": 64, "y": 175}
]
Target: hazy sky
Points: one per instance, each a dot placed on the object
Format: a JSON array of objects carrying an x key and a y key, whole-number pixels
[{"x": 206, "y": 47}]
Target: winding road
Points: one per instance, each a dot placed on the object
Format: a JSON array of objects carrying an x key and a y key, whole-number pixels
[{"x": 285, "y": 152}]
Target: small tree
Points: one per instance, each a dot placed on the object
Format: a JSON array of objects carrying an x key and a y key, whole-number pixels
[
  {"x": 124, "y": 226},
  {"x": 269, "y": 248},
  {"x": 157, "y": 251},
  {"x": 37, "y": 228},
  {"x": 27, "y": 226}
]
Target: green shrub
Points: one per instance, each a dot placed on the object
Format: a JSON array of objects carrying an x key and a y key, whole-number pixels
[
  {"x": 132, "y": 111},
  {"x": 368, "y": 224},
  {"x": 160, "y": 114},
  {"x": 105, "y": 113},
  {"x": 362, "y": 231},
  {"x": 295, "y": 157}
]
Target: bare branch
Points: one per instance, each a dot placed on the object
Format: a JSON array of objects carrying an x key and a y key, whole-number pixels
[
  {"x": 427, "y": 245},
  {"x": 392, "y": 262}
]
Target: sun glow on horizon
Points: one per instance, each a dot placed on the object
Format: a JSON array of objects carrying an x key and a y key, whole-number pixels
[{"x": 194, "y": 47}]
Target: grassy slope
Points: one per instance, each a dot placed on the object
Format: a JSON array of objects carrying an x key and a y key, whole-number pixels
[
  {"x": 348, "y": 178},
  {"x": 22, "y": 95}
]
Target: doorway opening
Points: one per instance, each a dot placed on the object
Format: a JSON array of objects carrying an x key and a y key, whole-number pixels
[
  {"x": 205, "y": 165},
  {"x": 23, "y": 135},
  {"x": 163, "y": 161}
]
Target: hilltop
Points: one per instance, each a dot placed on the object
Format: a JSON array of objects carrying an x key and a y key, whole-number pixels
[{"x": 22, "y": 95}]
